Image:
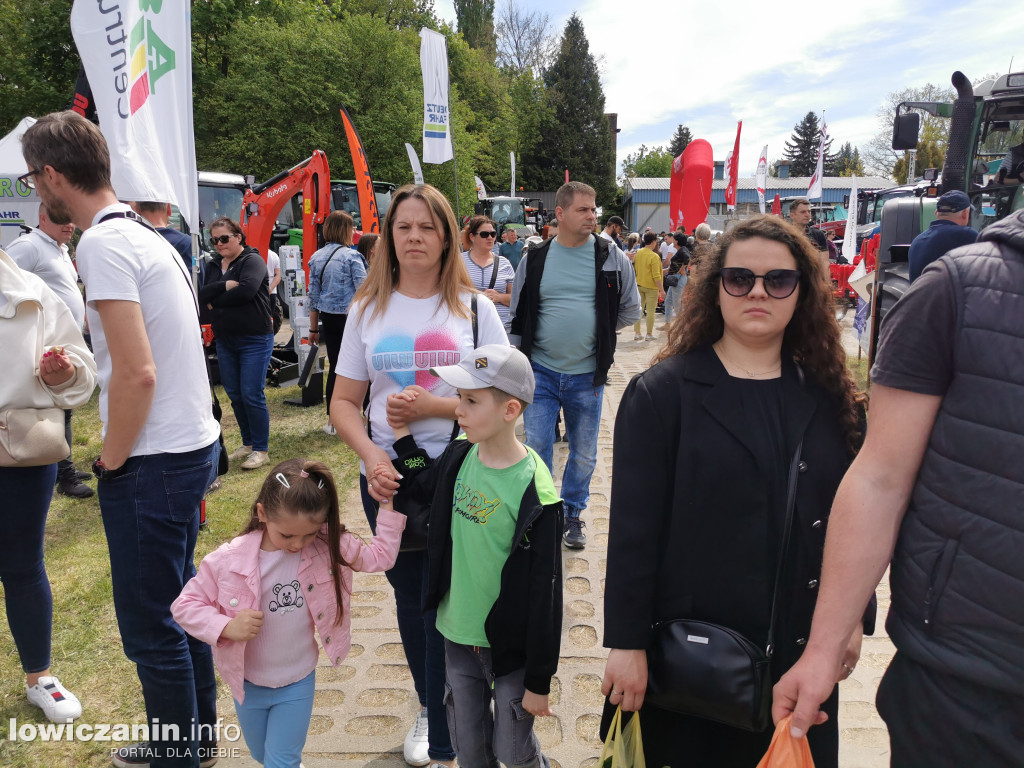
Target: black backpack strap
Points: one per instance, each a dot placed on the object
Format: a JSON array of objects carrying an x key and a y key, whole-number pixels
[{"x": 494, "y": 274}]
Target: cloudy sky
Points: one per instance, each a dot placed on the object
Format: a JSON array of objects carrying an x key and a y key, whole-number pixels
[{"x": 710, "y": 63}]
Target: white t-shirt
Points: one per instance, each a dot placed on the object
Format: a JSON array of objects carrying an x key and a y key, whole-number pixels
[
  {"x": 668, "y": 250},
  {"x": 285, "y": 650},
  {"x": 123, "y": 260},
  {"x": 273, "y": 264},
  {"x": 399, "y": 347},
  {"x": 40, "y": 254}
]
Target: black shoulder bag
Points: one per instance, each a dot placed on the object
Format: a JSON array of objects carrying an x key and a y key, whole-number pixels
[{"x": 706, "y": 670}]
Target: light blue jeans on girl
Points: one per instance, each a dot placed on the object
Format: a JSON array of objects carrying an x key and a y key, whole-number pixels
[{"x": 274, "y": 721}]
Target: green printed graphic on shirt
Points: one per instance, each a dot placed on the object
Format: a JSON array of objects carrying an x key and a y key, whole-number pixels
[{"x": 485, "y": 509}]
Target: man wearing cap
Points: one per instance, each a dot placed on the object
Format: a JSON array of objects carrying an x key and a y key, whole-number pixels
[{"x": 948, "y": 231}]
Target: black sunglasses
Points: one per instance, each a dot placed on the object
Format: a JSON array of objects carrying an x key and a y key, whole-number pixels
[
  {"x": 778, "y": 283},
  {"x": 27, "y": 180},
  {"x": 487, "y": 234},
  {"x": 223, "y": 239}
]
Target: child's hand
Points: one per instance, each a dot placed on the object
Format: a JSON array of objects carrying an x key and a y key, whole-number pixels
[
  {"x": 410, "y": 393},
  {"x": 245, "y": 626},
  {"x": 383, "y": 482},
  {"x": 537, "y": 704}
]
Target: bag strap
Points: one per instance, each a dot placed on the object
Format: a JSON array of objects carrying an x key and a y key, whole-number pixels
[
  {"x": 794, "y": 470},
  {"x": 321, "y": 278},
  {"x": 494, "y": 277}
]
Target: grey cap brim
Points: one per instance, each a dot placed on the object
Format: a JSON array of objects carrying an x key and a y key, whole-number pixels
[{"x": 458, "y": 377}]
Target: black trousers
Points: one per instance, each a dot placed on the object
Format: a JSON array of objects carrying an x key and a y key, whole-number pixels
[
  {"x": 332, "y": 328},
  {"x": 936, "y": 720}
]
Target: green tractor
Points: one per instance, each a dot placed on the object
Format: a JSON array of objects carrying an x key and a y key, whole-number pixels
[{"x": 985, "y": 122}]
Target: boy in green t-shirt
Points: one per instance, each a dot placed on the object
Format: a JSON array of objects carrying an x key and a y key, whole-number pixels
[{"x": 494, "y": 560}]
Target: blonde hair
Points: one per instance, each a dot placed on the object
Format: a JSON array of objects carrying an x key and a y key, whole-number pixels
[{"x": 385, "y": 271}]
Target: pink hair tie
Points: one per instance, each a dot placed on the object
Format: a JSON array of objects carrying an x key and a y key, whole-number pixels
[{"x": 303, "y": 473}]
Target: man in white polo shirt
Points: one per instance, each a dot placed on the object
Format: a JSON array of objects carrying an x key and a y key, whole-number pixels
[{"x": 159, "y": 434}]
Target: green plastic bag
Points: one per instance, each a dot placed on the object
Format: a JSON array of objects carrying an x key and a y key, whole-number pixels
[{"x": 624, "y": 747}]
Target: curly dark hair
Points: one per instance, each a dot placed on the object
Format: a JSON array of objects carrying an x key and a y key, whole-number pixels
[{"x": 812, "y": 336}]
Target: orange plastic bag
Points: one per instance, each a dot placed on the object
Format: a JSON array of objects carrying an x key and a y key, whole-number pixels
[{"x": 785, "y": 751}]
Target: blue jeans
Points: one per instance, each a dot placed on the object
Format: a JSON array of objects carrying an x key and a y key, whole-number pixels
[
  {"x": 673, "y": 296},
  {"x": 275, "y": 721},
  {"x": 483, "y": 737},
  {"x": 580, "y": 400},
  {"x": 26, "y": 492},
  {"x": 151, "y": 518},
  {"x": 243, "y": 362},
  {"x": 423, "y": 644}
]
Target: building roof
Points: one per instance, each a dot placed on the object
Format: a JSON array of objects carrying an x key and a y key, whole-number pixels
[{"x": 793, "y": 182}]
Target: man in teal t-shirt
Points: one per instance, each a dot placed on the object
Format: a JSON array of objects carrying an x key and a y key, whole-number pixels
[{"x": 512, "y": 249}]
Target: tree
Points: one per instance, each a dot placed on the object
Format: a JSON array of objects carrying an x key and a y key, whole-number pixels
[
  {"x": 802, "y": 149},
  {"x": 879, "y": 156},
  {"x": 680, "y": 139},
  {"x": 476, "y": 24},
  {"x": 648, "y": 163},
  {"x": 575, "y": 133},
  {"x": 525, "y": 42},
  {"x": 38, "y": 59},
  {"x": 848, "y": 162}
]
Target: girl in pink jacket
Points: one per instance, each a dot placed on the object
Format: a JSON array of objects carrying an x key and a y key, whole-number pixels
[{"x": 257, "y": 599}]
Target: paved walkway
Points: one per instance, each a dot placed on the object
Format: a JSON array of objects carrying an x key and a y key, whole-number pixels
[{"x": 364, "y": 708}]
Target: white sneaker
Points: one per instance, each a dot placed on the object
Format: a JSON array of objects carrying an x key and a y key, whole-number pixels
[
  {"x": 242, "y": 452},
  {"x": 329, "y": 429},
  {"x": 256, "y": 460},
  {"x": 58, "y": 703},
  {"x": 416, "y": 742}
]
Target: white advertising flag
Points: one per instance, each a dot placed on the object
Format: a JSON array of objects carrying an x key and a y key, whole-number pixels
[
  {"x": 437, "y": 129},
  {"x": 814, "y": 190},
  {"x": 139, "y": 65},
  {"x": 481, "y": 190},
  {"x": 762, "y": 177},
  {"x": 417, "y": 172},
  {"x": 512, "y": 159},
  {"x": 850, "y": 238}
]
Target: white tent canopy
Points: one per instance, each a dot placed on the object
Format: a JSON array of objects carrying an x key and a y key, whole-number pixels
[{"x": 18, "y": 204}]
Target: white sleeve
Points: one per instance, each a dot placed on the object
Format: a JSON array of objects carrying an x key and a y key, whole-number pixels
[
  {"x": 24, "y": 254},
  {"x": 109, "y": 269},
  {"x": 352, "y": 354},
  {"x": 490, "y": 329}
]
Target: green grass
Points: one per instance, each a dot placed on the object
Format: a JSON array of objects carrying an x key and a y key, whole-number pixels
[{"x": 87, "y": 653}]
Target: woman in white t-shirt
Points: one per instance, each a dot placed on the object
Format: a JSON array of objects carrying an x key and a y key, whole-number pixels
[
  {"x": 491, "y": 273},
  {"x": 411, "y": 313}
]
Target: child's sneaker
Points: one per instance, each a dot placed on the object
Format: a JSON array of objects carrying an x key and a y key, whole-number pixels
[
  {"x": 416, "y": 742},
  {"x": 57, "y": 702}
]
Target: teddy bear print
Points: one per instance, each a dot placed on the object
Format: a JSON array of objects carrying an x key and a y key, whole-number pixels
[{"x": 289, "y": 597}]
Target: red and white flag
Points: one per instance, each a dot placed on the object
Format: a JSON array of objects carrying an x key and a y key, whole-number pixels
[
  {"x": 762, "y": 177},
  {"x": 732, "y": 164},
  {"x": 814, "y": 190}
]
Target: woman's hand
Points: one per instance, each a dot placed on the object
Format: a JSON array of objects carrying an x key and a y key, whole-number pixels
[
  {"x": 412, "y": 404},
  {"x": 380, "y": 483},
  {"x": 55, "y": 367},
  {"x": 498, "y": 298},
  {"x": 229, "y": 284},
  {"x": 245, "y": 626},
  {"x": 625, "y": 678},
  {"x": 537, "y": 704},
  {"x": 851, "y": 655}
]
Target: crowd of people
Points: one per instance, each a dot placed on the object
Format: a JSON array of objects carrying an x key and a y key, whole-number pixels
[{"x": 748, "y": 494}]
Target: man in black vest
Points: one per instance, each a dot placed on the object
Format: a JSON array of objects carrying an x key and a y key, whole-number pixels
[{"x": 938, "y": 489}]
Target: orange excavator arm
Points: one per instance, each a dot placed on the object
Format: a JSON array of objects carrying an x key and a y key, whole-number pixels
[{"x": 263, "y": 203}]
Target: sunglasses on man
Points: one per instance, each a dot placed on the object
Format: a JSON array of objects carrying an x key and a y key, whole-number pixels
[{"x": 778, "y": 283}]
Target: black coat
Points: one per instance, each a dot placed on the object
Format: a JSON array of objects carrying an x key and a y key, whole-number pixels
[
  {"x": 689, "y": 513},
  {"x": 244, "y": 310}
]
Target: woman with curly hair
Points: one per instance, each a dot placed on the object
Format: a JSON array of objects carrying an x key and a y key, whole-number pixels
[{"x": 753, "y": 371}]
